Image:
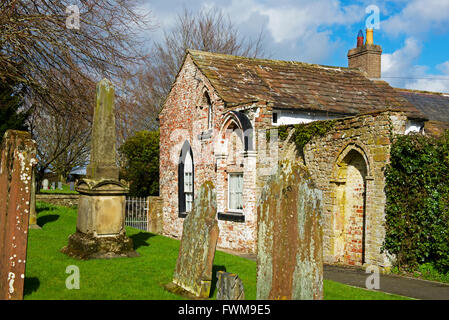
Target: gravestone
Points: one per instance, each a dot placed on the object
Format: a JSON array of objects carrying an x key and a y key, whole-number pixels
[
  {"x": 290, "y": 237},
  {"x": 33, "y": 214},
  {"x": 72, "y": 186},
  {"x": 100, "y": 229},
  {"x": 53, "y": 186},
  {"x": 45, "y": 184},
  {"x": 18, "y": 156},
  {"x": 229, "y": 286},
  {"x": 59, "y": 185},
  {"x": 193, "y": 272}
]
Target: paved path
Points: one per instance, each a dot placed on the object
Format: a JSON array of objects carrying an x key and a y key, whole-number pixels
[{"x": 404, "y": 286}]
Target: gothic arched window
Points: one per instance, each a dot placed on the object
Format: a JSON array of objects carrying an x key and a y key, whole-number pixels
[{"x": 185, "y": 180}]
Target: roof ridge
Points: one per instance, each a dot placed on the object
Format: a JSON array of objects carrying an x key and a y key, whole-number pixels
[
  {"x": 286, "y": 62},
  {"x": 422, "y": 91}
]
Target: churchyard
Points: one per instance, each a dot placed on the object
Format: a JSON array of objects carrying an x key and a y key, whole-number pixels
[
  {"x": 86, "y": 252},
  {"x": 143, "y": 277}
]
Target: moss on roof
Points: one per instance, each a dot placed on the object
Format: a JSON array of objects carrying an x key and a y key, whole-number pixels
[{"x": 298, "y": 85}]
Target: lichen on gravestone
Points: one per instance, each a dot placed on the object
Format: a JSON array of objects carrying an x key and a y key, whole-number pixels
[
  {"x": 17, "y": 159},
  {"x": 229, "y": 286},
  {"x": 193, "y": 272},
  {"x": 290, "y": 238},
  {"x": 102, "y": 163}
]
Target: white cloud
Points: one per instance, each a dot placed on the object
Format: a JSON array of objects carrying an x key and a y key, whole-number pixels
[
  {"x": 419, "y": 17},
  {"x": 291, "y": 20},
  {"x": 400, "y": 70},
  {"x": 444, "y": 67}
]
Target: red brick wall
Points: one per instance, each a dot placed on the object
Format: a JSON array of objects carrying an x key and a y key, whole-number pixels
[{"x": 184, "y": 117}]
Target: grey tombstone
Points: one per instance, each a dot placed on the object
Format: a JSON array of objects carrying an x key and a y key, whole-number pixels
[
  {"x": 193, "y": 272},
  {"x": 53, "y": 186},
  {"x": 72, "y": 186},
  {"x": 59, "y": 185},
  {"x": 45, "y": 184},
  {"x": 100, "y": 230},
  {"x": 229, "y": 286}
]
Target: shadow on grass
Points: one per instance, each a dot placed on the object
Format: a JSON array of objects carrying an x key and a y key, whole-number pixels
[
  {"x": 41, "y": 221},
  {"x": 44, "y": 206},
  {"x": 213, "y": 285},
  {"x": 30, "y": 285},
  {"x": 140, "y": 239}
]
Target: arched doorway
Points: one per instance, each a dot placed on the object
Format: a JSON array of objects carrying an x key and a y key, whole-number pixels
[{"x": 350, "y": 209}]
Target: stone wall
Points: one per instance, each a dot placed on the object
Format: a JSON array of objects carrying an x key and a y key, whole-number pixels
[
  {"x": 348, "y": 165},
  {"x": 66, "y": 200}
]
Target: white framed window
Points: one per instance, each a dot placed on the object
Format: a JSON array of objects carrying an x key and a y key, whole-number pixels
[
  {"x": 188, "y": 182},
  {"x": 235, "y": 192}
]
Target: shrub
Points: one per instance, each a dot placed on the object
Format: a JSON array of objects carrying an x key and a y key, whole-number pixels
[
  {"x": 141, "y": 167},
  {"x": 417, "y": 192}
]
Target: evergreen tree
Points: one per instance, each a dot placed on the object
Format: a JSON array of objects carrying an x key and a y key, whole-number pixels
[{"x": 10, "y": 115}]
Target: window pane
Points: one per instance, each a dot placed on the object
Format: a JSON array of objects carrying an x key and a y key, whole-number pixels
[{"x": 236, "y": 191}]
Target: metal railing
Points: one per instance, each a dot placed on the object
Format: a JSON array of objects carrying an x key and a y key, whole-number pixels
[{"x": 136, "y": 213}]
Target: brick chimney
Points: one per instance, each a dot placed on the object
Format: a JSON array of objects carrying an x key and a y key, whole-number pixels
[{"x": 366, "y": 57}]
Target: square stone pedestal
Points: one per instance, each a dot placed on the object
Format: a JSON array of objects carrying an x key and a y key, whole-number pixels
[{"x": 100, "y": 229}]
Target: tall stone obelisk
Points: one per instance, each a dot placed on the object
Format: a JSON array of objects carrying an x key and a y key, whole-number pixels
[{"x": 100, "y": 229}]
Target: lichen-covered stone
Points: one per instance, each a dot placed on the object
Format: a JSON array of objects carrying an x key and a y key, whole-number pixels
[
  {"x": 102, "y": 163},
  {"x": 290, "y": 252},
  {"x": 17, "y": 159},
  {"x": 229, "y": 286},
  {"x": 100, "y": 229},
  {"x": 87, "y": 246},
  {"x": 193, "y": 270}
]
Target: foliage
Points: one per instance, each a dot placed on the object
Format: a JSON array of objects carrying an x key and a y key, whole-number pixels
[
  {"x": 426, "y": 271},
  {"x": 304, "y": 132},
  {"x": 141, "y": 167},
  {"x": 10, "y": 103},
  {"x": 417, "y": 191}
]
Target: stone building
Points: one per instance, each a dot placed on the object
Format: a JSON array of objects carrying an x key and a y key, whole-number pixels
[{"x": 214, "y": 122}]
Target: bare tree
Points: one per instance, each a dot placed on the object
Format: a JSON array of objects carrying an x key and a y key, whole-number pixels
[
  {"x": 208, "y": 30},
  {"x": 63, "y": 137},
  {"x": 34, "y": 38},
  {"x": 56, "y": 64}
]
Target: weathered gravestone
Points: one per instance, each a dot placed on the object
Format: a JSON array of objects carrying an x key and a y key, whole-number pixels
[
  {"x": 53, "y": 186},
  {"x": 72, "y": 186},
  {"x": 33, "y": 214},
  {"x": 45, "y": 184},
  {"x": 18, "y": 156},
  {"x": 59, "y": 185},
  {"x": 290, "y": 238},
  {"x": 100, "y": 229},
  {"x": 193, "y": 273},
  {"x": 229, "y": 286}
]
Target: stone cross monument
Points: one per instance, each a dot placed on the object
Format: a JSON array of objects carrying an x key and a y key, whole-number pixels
[{"x": 100, "y": 229}]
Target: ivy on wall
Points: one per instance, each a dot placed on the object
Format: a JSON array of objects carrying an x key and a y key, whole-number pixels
[
  {"x": 304, "y": 132},
  {"x": 417, "y": 208}
]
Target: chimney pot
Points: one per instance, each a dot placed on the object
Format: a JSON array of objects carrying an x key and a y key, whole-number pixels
[{"x": 367, "y": 57}]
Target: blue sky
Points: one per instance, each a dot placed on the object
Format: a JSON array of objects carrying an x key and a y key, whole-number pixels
[{"x": 414, "y": 35}]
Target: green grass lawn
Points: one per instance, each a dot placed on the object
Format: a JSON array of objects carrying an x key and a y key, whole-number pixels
[
  {"x": 65, "y": 190},
  {"x": 129, "y": 278}
]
